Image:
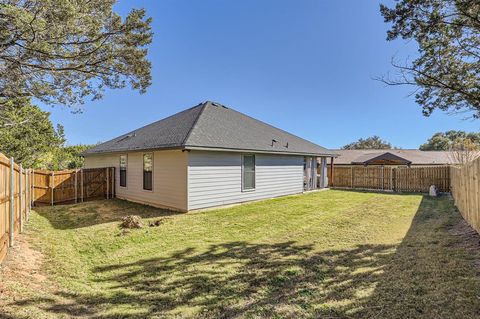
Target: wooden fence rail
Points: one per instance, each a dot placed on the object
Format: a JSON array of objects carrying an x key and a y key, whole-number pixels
[
  {"x": 398, "y": 179},
  {"x": 465, "y": 191},
  {"x": 20, "y": 189}
]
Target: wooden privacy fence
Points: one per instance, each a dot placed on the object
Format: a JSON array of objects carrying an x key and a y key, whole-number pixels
[
  {"x": 72, "y": 186},
  {"x": 20, "y": 189},
  {"x": 15, "y": 201},
  {"x": 397, "y": 179},
  {"x": 465, "y": 191}
]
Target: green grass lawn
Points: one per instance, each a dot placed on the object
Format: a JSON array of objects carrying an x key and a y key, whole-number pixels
[{"x": 333, "y": 254}]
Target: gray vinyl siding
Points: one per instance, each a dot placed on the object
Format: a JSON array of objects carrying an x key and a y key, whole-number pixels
[
  {"x": 215, "y": 178},
  {"x": 169, "y": 177}
]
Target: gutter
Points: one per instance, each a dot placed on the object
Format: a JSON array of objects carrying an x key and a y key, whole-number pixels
[
  {"x": 220, "y": 149},
  {"x": 213, "y": 149}
]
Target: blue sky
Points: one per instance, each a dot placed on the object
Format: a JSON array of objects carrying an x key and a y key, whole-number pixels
[{"x": 303, "y": 66}]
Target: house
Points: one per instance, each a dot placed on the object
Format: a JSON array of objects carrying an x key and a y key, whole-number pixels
[
  {"x": 397, "y": 157},
  {"x": 209, "y": 155}
]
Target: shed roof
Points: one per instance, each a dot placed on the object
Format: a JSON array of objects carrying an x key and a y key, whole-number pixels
[
  {"x": 415, "y": 157},
  {"x": 213, "y": 126},
  {"x": 386, "y": 157}
]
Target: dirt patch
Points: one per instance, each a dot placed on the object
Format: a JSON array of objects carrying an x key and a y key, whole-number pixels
[
  {"x": 468, "y": 238},
  {"x": 21, "y": 269}
]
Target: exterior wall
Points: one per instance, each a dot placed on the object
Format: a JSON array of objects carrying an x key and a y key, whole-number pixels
[
  {"x": 215, "y": 178},
  {"x": 169, "y": 177}
]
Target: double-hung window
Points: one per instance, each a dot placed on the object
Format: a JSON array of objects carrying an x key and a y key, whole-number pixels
[
  {"x": 148, "y": 171},
  {"x": 248, "y": 172},
  {"x": 123, "y": 170}
]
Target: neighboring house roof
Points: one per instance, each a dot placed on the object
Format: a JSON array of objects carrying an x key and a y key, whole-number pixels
[
  {"x": 386, "y": 158},
  {"x": 414, "y": 157},
  {"x": 211, "y": 126}
]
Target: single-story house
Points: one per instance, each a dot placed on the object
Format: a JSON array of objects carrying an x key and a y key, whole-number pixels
[
  {"x": 396, "y": 157},
  {"x": 209, "y": 155}
]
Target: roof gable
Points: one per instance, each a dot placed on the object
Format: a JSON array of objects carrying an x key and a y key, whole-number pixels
[
  {"x": 415, "y": 156},
  {"x": 384, "y": 158},
  {"x": 213, "y": 126}
]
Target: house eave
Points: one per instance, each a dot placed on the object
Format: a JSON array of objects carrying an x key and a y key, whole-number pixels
[
  {"x": 214, "y": 149},
  {"x": 153, "y": 149},
  {"x": 225, "y": 149}
]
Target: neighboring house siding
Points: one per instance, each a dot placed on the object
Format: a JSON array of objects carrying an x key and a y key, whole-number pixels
[
  {"x": 169, "y": 177},
  {"x": 215, "y": 178}
]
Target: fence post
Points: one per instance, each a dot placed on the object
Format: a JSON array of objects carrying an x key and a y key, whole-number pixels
[
  {"x": 20, "y": 198},
  {"x": 106, "y": 172},
  {"x": 113, "y": 182},
  {"x": 27, "y": 193},
  {"x": 383, "y": 177},
  {"x": 76, "y": 188},
  {"x": 394, "y": 179},
  {"x": 351, "y": 172},
  {"x": 81, "y": 183},
  {"x": 12, "y": 205},
  {"x": 52, "y": 187},
  {"x": 32, "y": 203}
]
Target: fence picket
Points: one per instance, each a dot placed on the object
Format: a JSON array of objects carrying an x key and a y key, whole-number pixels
[
  {"x": 21, "y": 188},
  {"x": 401, "y": 179},
  {"x": 465, "y": 187}
]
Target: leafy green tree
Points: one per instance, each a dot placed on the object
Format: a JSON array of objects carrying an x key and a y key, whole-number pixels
[
  {"x": 446, "y": 71},
  {"x": 370, "y": 143},
  {"x": 446, "y": 141},
  {"x": 68, "y": 157},
  {"x": 31, "y": 137},
  {"x": 63, "y": 51}
]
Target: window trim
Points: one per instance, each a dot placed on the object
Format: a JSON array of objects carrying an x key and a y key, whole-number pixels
[
  {"x": 120, "y": 169},
  {"x": 143, "y": 171},
  {"x": 254, "y": 173}
]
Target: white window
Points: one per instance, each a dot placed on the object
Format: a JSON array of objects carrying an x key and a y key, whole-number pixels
[
  {"x": 248, "y": 172},
  {"x": 123, "y": 170},
  {"x": 148, "y": 171}
]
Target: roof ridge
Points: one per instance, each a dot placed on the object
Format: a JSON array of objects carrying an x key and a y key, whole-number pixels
[
  {"x": 274, "y": 127},
  {"x": 155, "y": 122},
  {"x": 194, "y": 123}
]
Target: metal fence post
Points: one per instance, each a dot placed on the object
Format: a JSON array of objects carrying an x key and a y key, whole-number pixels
[{"x": 12, "y": 205}]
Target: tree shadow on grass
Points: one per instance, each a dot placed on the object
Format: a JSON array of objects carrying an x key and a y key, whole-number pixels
[
  {"x": 97, "y": 212},
  {"x": 230, "y": 280},
  {"x": 426, "y": 276}
]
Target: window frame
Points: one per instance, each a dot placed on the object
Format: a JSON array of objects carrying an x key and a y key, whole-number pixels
[
  {"x": 120, "y": 170},
  {"x": 244, "y": 189},
  {"x": 143, "y": 172}
]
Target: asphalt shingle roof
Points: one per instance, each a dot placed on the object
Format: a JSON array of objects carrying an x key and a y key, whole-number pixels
[
  {"x": 210, "y": 125},
  {"x": 416, "y": 157}
]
